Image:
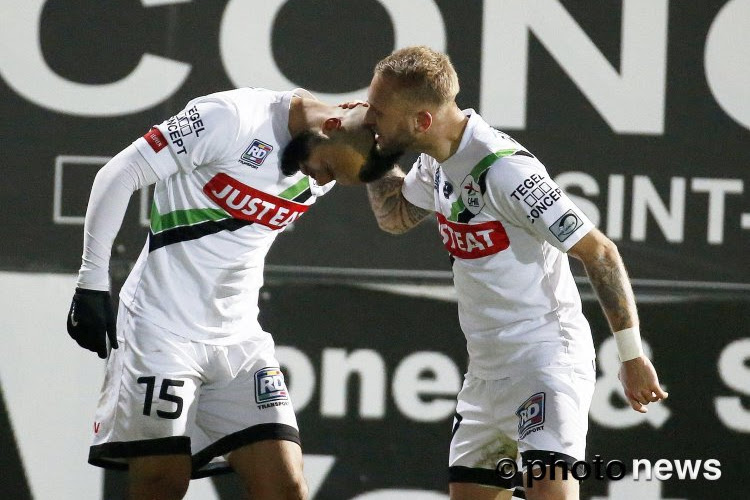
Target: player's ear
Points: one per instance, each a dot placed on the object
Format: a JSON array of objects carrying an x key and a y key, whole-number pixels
[
  {"x": 423, "y": 121},
  {"x": 331, "y": 124}
]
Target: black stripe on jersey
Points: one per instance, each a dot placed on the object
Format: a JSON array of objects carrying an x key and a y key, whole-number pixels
[
  {"x": 465, "y": 216},
  {"x": 521, "y": 152},
  {"x": 482, "y": 181},
  {"x": 187, "y": 233},
  {"x": 303, "y": 196}
]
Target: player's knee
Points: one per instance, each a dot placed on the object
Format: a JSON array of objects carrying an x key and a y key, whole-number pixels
[
  {"x": 294, "y": 487},
  {"x": 286, "y": 487},
  {"x": 297, "y": 489}
]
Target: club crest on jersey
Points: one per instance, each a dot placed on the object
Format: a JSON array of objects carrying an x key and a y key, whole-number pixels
[
  {"x": 471, "y": 195},
  {"x": 566, "y": 225},
  {"x": 256, "y": 153},
  {"x": 270, "y": 389},
  {"x": 531, "y": 415}
]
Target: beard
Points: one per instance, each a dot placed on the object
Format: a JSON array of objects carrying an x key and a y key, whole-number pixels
[
  {"x": 402, "y": 141},
  {"x": 378, "y": 163},
  {"x": 399, "y": 147}
]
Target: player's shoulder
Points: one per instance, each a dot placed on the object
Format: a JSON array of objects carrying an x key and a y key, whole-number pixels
[
  {"x": 239, "y": 98},
  {"x": 494, "y": 140},
  {"x": 512, "y": 167}
]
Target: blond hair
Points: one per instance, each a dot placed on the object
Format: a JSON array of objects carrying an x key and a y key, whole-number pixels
[{"x": 422, "y": 73}]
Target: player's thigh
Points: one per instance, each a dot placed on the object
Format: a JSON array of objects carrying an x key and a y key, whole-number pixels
[
  {"x": 553, "y": 415},
  {"x": 469, "y": 491},
  {"x": 249, "y": 404},
  {"x": 483, "y": 436},
  {"x": 268, "y": 468},
  {"x": 562, "y": 487},
  {"x": 159, "y": 476}
]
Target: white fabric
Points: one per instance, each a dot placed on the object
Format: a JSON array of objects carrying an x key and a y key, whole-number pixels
[
  {"x": 113, "y": 186},
  {"x": 217, "y": 386},
  {"x": 518, "y": 303},
  {"x": 200, "y": 272},
  {"x": 203, "y": 287},
  {"x": 545, "y": 410}
]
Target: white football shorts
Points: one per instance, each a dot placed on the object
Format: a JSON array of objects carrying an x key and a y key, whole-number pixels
[
  {"x": 164, "y": 394},
  {"x": 539, "y": 415}
]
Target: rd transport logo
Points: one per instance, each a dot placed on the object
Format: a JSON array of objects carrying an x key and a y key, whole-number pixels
[
  {"x": 270, "y": 387},
  {"x": 531, "y": 415},
  {"x": 256, "y": 153}
]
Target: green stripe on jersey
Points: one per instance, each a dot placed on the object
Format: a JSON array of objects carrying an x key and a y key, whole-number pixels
[
  {"x": 476, "y": 172},
  {"x": 291, "y": 192},
  {"x": 178, "y": 218}
]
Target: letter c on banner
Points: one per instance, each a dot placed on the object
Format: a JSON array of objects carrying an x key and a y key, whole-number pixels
[
  {"x": 727, "y": 63},
  {"x": 27, "y": 73},
  {"x": 246, "y": 36}
]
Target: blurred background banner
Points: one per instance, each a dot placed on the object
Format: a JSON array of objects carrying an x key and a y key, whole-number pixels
[{"x": 640, "y": 110}]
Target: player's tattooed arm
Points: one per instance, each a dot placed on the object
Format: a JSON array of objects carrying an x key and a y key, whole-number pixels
[
  {"x": 609, "y": 279},
  {"x": 394, "y": 213}
]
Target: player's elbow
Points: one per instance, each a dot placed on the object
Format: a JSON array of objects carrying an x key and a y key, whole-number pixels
[
  {"x": 595, "y": 247},
  {"x": 392, "y": 227}
]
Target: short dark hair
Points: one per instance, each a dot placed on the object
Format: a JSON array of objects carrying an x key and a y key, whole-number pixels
[{"x": 297, "y": 151}]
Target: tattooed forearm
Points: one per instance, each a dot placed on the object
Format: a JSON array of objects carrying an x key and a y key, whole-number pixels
[
  {"x": 610, "y": 282},
  {"x": 392, "y": 211}
]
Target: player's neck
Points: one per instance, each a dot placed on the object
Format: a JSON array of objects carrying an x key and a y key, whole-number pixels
[
  {"x": 445, "y": 134},
  {"x": 306, "y": 114}
]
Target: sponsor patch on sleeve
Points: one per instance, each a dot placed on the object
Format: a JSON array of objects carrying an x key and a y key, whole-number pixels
[
  {"x": 566, "y": 225},
  {"x": 155, "y": 139}
]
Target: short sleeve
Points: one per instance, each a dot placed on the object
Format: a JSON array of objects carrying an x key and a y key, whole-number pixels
[
  {"x": 200, "y": 134},
  {"x": 521, "y": 190},
  {"x": 419, "y": 183}
]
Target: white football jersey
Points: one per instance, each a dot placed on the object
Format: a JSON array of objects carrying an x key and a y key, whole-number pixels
[
  {"x": 507, "y": 226},
  {"x": 220, "y": 204}
]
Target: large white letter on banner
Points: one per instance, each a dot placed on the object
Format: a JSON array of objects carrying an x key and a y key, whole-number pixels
[
  {"x": 727, "y": 60},
  {"x": 23, "y": 67},
  {"x": 245, "y": 41},
  {"x": 630, "y": 101}
]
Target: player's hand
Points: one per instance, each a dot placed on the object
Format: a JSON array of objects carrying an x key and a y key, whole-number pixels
[
  {"x": 641, "y": 384},
  {"x": 91, "y": 321},
  {"x": 353, "y": 104}
]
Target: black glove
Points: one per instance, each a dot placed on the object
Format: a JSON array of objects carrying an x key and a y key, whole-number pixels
[{"x": 91, "y": 320}]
